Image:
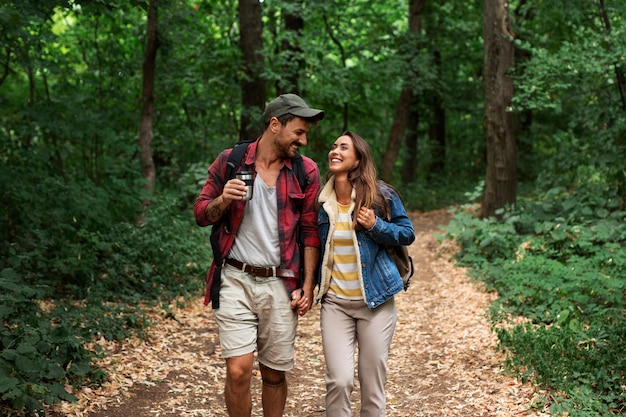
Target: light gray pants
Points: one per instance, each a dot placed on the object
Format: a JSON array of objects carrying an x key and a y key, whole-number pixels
[{"x": 346, "y": 325}]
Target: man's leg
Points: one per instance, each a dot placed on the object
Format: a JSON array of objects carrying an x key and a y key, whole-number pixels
[
  {"x": 274, "y": 391},
  {"x": 275, "y": 342},
  {"x": 237, "y": 390}
]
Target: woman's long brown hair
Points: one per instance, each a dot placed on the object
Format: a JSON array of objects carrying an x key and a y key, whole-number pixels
[{"x": 364, "y": 178}]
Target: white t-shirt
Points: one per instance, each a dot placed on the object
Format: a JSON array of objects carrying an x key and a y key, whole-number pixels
[{"x": 257, "y": 242}]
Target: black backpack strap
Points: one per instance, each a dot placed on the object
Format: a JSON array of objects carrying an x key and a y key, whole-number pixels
[
  {"x": 235, "y": 158},
  {"x": 298, "y": 170}
]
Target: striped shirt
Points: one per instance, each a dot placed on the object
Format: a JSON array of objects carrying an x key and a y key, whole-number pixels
[{"x": 344, "y": 282}]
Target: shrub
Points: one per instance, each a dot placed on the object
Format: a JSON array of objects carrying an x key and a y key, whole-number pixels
[
  {"x": 557, "y": 263},
  {"x": 38, "y": 357}
]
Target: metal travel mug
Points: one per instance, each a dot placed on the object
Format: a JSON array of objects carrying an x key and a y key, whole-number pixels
[{"x": 248, "y": 178}]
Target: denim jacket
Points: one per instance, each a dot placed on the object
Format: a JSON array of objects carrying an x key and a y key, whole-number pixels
[{"x": 378, "y": 275}]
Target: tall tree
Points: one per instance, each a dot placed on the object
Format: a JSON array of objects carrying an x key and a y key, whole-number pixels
[
  {"x": 401, "y": 118},
  {"x": 500, "y": 182},
  {"x": 147, "y": 100},
  {"x": 619, "y": 70},
  {"x": 253, "y": 86},
  {"x": 290, "y": 48},
  {"x": 409, "y": 162},
  {"x": 344, "y": 58},
  {"x": 437, "y": 128}
]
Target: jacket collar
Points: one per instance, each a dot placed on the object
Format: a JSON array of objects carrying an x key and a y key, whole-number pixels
[{"x": 328, "y": 198}]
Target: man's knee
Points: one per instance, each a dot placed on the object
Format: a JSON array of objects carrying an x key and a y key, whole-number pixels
[
  {"x": 274, "y": 383},
  {"x": 238, "y": 370},
  {"x": 271, "y": 377}
]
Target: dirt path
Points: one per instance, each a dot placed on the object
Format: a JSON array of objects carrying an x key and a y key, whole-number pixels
[{"x": 442, "y": 363}]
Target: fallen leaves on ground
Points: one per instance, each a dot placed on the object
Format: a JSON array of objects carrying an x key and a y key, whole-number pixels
[{"x": 443, "y": 359}]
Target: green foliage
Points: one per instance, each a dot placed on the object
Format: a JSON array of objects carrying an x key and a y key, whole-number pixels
[
  {"x": 585, "y": 362},
  {"x": 433, "y": 195},
  {"x": 74, "y": 244},
  {"x": 558, "y": 261},
  {"x": 38, "y": 357},
  {"x": 101, "y": 276},
  {"x": 487, "y": 241},
  {"x": 79, "y": 236},
  {"x": 71, "y": 187},
  {"x": 158, "y": 258}
]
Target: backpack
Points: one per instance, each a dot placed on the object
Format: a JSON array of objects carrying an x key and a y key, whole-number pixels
[
  {"x": 404, "y": 262},
  {"x": 234, "y": 161}
]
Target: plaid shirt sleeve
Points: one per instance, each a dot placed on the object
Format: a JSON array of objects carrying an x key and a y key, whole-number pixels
[
  {"x": 212, "y": 189},
  {"x": 296, "y": 205}
]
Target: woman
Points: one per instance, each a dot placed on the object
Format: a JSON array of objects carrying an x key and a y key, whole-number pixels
[{"x": 357, "y": 279}]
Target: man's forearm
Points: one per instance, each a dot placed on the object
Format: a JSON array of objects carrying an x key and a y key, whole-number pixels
[
  {"x": 215, "y": 209},
  {"x": 311, "y": 258}
]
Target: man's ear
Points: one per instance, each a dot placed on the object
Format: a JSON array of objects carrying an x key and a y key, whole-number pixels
[{"x": 274, "y": 125}]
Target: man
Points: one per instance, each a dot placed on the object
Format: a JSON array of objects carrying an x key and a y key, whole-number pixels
[{"x": 259, "y": 296}]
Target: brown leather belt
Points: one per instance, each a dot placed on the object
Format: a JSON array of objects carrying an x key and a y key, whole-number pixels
[{"x": 260, "y": 271}]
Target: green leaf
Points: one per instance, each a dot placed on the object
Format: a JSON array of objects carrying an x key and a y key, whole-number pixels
[{"x": 8, "y": 383}]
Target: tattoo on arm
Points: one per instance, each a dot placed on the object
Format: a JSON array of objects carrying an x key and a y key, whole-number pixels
[{"x": 213, "y": 211}]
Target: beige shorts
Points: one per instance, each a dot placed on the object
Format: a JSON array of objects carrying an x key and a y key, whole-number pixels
[{"x": 255, "y": 314}]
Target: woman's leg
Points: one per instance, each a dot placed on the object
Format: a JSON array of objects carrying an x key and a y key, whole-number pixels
[
  {"x": 375, "y": 330},
  {"x": 338, "y": 339}
]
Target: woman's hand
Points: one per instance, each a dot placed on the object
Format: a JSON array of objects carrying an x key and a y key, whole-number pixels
[
  {"x": 302, "y": 299},
  {"x": 366, "y": 218}
]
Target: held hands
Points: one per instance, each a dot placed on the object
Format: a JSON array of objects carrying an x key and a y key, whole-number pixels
[
  {"x": 302, "y": 299},
  {"x": 366, "y": 218}
]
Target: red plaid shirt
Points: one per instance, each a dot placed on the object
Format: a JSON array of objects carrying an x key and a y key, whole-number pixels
[{"x": 293, "y": 205}]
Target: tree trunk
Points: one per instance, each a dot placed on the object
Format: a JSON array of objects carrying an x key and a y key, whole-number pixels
[
  {"x": 291, "y": 50},
  {"x": 253, "y": 87},
  {"x": 147, "y": 102},
  {"x": 344, "y": 58},
  {"x": 437, "y": 128},
  {"x": 400, "y": 120},
  {"x": 524, "y": 15},
  {"x": 398, "y": 128},
  {"x": 409, "y": 162},
  {"x": 619, "y": 72},
  {"x": 500, "y": 182}
]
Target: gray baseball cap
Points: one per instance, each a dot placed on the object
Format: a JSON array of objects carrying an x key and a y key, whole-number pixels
[{"x": 292, "y": 104}]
